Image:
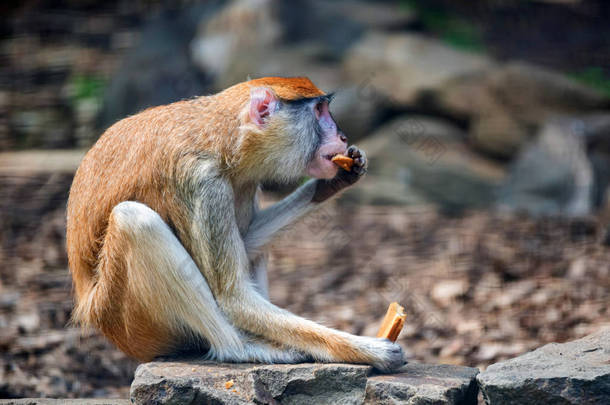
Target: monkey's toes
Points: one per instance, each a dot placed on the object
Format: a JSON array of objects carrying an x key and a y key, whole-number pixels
[{"x": 392, "y": 359}]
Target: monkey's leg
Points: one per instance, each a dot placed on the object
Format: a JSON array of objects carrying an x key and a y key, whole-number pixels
[
  {"x": 150, "y": 298},
  {"x": 218, "y": 241}
]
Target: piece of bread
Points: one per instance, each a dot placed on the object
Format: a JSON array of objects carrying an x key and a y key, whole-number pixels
[
  {"x": 343, "y": 161},
  {"x": 393, "y": 322}
]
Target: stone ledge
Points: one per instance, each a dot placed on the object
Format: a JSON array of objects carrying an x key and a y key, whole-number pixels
[
  {"x": 576, "y": 372},
  {"x": 191, "y": 381}
]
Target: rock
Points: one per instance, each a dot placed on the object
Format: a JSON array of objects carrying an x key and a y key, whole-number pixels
[
  {"x": 192, "y": 382},
  {"x": 356, "y": 114},
  {"x": 507, "y": 104},
  {"x": 595, "y": 128},
  {"x": 416, "y": 160},
  {"x": 496, "y": 133},
  {"x": 257, "y": 38},
  {"x": 566, "y": 170},
  {"x": 382, "y": 16},
  {"x": 424, "y": 384},
  {"x": 159, "y": 70},
  {"x": 318, "y": 22},
  {"x": 239, "y": 26},
  {"x": 295, "y": 60},
  {"x": 207, "y": 382},
  {"x": 520, "y": 84},
  {"x": 576, "y": 372},
  {"x": 412, "y": 65}
]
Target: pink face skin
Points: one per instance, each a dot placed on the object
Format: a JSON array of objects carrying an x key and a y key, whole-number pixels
[
  {"x": 333, "y": 143},
  {"x": 263, "y": 103}
]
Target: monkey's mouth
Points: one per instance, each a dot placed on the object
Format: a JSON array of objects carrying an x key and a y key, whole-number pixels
[{"x": 322, "y": 167}]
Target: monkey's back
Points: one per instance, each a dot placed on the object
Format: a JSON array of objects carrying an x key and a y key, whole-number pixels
[{"x": 136, "y": 159}]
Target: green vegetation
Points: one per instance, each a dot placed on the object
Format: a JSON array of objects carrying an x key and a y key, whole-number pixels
[
  {"x": 86, "y": 87},
  {"x": 453, "y": 30},
  {"x": 594, "y": 77}
]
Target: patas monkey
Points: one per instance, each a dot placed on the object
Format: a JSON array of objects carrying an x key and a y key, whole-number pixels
[{"x": 165, "y": 237}]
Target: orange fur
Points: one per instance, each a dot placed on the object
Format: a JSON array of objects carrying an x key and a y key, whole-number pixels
[
  {"x": 147, "y": 158},
  {"x": 289, "y": 88}
]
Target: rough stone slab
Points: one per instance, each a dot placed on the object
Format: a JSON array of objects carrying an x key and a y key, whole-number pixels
[
  {"x": 189, "y": 382},
  {"x": 576, "y": 372},
  {"x": 77, "y": 401},
  {"x": 207, "y": 382},
  {"x": 424, "y": 384}
]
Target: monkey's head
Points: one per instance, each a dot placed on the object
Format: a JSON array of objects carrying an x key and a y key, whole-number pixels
[{"x": 290, "y": 129}]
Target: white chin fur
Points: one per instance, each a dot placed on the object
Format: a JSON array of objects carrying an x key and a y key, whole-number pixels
[{"x": 322, "y": 168}]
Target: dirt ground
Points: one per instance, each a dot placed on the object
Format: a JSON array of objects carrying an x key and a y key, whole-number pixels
[{"x": 477, "y": 289}]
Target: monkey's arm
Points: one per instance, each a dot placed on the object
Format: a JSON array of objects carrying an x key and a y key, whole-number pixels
[
  {"x": 267, "y": 223},
  {"x": 219, "y": 252}
]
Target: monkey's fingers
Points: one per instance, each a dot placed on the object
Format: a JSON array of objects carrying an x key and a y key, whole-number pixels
[
  {"x": 344, "y": 162},
  {"x": 353, "y": 152},
  {"x": 393, "y": 322}
]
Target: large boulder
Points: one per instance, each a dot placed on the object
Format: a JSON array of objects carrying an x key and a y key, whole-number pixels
[
  {"x": 270, "y": 37},
  {"x": 420, "y": 160},
  {"x": 576, "y": 372},
  {"x": 507, "y": 104},
  {"x": 403, "y": 66},
  {"x": 190, "y": 382},
  {"x": 565, "y": 170},
  {"x": 504, "y": 104},
  {"x": 356, "y": 114}
]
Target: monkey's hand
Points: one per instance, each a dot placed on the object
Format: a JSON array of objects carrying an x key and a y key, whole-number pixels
[{"x": 343, "y": 179}]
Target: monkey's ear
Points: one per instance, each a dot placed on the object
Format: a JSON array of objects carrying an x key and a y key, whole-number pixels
[{"x": 263, "y": 103}]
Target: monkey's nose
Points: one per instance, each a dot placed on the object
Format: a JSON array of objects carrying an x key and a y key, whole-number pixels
[{"x": 343, "y": 138}]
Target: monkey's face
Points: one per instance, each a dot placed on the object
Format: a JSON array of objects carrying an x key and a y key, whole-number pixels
[
  {"x": 295, "y": 137},
  {"x": 330, "y": 141}
]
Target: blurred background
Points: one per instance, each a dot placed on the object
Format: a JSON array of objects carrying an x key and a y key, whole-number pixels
[{"x": 485, "y": 210}]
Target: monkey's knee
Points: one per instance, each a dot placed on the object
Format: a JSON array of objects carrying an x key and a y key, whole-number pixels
[{"x": 135, "y": 217}]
